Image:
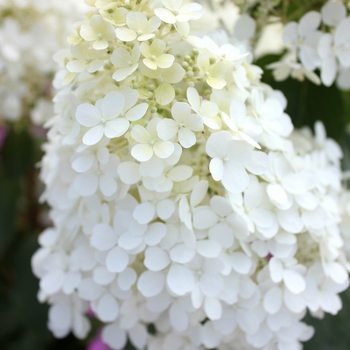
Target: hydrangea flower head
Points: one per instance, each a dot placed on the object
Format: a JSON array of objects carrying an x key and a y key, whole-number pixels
[{"x": 184, "y": 199}]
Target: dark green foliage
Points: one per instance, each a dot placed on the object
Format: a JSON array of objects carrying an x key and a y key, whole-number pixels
[
  {"x": 23, "y": 320},
  {"x": 18, "y": 153}
]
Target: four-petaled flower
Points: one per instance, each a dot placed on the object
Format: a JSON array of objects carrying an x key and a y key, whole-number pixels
[
  {"x": 183, "y": 125},
  {"x": 99, "y": 31},
  {"x": 140, "y": 27}
]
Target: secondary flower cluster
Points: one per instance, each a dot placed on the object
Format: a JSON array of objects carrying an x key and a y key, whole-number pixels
[
  {"x": 31, "y": 32},
  {"x": 181, "y": 199},
  {"x": 311, "y": 48}
]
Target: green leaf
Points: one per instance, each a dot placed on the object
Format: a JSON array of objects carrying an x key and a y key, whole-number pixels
[
  {"x": 10, "y": 192},
  {"x": 23, "y": 294},
  {"x": 17, "y": 153},
  {"x": 27, "y": 340}
]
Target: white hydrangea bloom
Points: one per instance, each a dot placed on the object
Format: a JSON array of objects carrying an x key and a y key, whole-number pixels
[
  {"x": 326, "y": 50},
  {"x": 164, "y": 212}
]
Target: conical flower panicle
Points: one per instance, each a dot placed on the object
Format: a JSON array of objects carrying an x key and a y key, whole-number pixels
[{"x": 180, "y": 195}]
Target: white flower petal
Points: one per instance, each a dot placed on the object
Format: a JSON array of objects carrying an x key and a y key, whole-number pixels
[
  {"x": 52, "y": 281},
  {"x": 309, "y": 23},
  {"x": 241, "y": 263},
  {"x": 114, "y": 337},
  {"x": 328, "y": 70},
  {"x": 212, "y": 308},
  {"x": 125, "y": 34},
  {"x": 103, "y": 237},
  {"x": 276, "y": 270},
  {"x": 137, "y": 112},
  {"x": 129, "y": 172},
  {"x": 294, "y": 281},
  {"x": 117, "y": 260},
  {"x": 151, "y": 283},
  {"x": 83, "y": 163},
  {"x": 107, "y": 308},
  {"x": 211, "y": 284},
  {"x": 142, "y": 152},
  {"x": 165, "y": 209},
  {"x": 108, "y": 185},
  {"x": 182, "y": 254},
  {"x": 116, "y": 127},
  {"x": 216, "y": 167},
  {"x": 165, "y": 15},
  {"x": 204, "y": 219},
  {"x": 178, "y": 317},
  {"x": 102, "y": 276},
  {"x": 180, "y": 173},
  {"x": 93, "y": 135},
  {"x": 144, "y": 213},
  {"x": 126, "y": 278},
  {"x": 333, "y": 13},
  {"x": 180, "y": 280},
  {"x": 167, "y": 129},
  {"x": 89, "y": 290},
  {"x": 164, "y": 94},
  {"x": 273, "y": 300},
  {"x": 163, "y": 149},
  {"x": 208, "y": 248},
  {"x": 186, "y": 138},
  {"x": 112, "y": 105},
  {"x": 156, "y": 259}
]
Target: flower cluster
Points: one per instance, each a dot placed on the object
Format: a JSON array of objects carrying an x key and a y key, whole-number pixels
[
  {"x": 31, "y": 32},
  {"x": 181, "y": 197},
  {"x": 310, "y": 48}
]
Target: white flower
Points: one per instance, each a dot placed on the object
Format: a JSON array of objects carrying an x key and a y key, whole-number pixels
[
  {"x": 333, "y": 13},
  {"x": 174, "y": 11},
  {"x": 230, "y": 158},
  {"x": 153, "y": 204},
  {"x": 183, "y": 125},
  {"x": 102, "y": 301},
  {"x": 269, "y": 113},
  {"x": 208, "y": 110},
  {"x": 107, "y": 116},
  {"x": 333, "y": 47},
  {"x": 227, "y": 52},
  {"x": 86, "y": 59},
  {"x": 154, "y": 55},
  {"x": 125, "y": 62},
  {"x": 321, "y": 293},
  {"x": 102, "y": 119},
  {"x": 139, "y": 27},
  {"x": 212, "y": 73},
  {"x": 238, "y": 122},
  {"x": 285, "y": 68},
  {"x": 148, "y": 143},
  {"x": 165, "y": 92},
  {"x": 163, "y": 212},
  {"x": 68, "y": 313},
  {"x": 244, "y": 28},
  {"x": 99, "y": 31},
  {"x": 304, "y": 36},
  {"x": 88, "y": 182}
]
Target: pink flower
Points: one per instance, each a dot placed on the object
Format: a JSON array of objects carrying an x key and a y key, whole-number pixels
[{"x": 97, "y": 344}]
